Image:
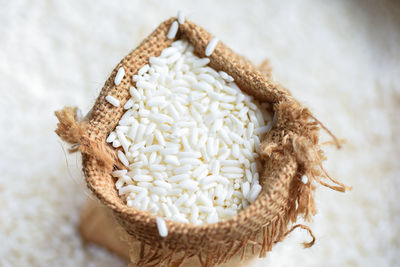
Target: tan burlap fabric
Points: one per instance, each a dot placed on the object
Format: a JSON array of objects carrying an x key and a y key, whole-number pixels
[{"x": 289, "y": 151}]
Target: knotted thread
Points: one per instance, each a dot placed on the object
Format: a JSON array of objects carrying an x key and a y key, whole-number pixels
[{"x": 74, "y": 131}]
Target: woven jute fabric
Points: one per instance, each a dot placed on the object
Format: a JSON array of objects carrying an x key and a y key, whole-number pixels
[{"x": 289, "y": 151}]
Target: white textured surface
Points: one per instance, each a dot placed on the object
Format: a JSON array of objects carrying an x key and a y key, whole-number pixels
[{"x": 341, "y": 59}]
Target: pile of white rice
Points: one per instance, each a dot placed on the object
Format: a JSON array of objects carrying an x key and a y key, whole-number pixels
[
  {"x": 189, "y": 139},
  {"x": 340, "y": 59}
]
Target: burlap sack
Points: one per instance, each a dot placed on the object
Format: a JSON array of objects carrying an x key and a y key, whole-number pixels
[{"x": 289, "y": 151}]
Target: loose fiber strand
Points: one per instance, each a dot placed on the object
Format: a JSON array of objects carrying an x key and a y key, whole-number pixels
[
  {"x": 337, "y": 142},
  {"x": 244, "y": 246},
  {"x": 200, "y": 256},
  {"x": 336, "y": 188},
  {"x": 305, "y": 244},
  {"x": 341, "y": 141},
  {"x": 263, "y": 250},
  {"x": 334, "y": 180}
]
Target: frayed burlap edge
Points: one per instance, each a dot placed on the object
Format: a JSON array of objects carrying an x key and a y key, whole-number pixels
[{"x": 289, "y": 151}]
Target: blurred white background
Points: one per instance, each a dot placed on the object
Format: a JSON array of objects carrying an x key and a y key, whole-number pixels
[{"x": 340, "y": 58}]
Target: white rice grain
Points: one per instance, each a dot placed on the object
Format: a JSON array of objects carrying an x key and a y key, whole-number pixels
[
  {"x": 123, "y": 158},
  {"x": 254, "y": 191},
  {"x": 181, "y": 17},
  {"x": 119, "y": 76},
  {"x": 162, "y": 227},
  {"x": 173, "y": 30},
  {"x": 112, "y": 100},
  {"x": 111, "y": 137},
  {"x": 211, "y": 46}
]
